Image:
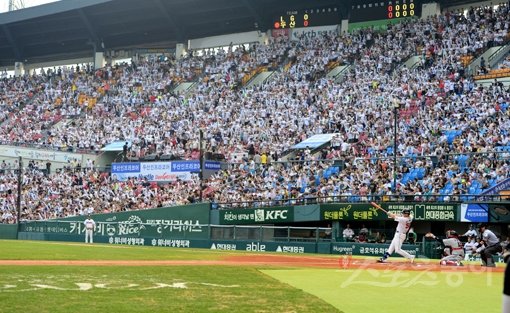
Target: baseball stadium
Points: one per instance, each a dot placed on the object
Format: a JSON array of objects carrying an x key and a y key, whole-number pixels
[{"x": 254, "y": 156}]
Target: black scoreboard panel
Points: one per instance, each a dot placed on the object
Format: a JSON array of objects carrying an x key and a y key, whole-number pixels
[
  {"x": 307, "y": 18},
  {"x": 384, "y": 10}
]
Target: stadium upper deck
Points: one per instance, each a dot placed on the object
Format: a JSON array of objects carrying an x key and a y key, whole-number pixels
[
  {"x": 71, "y": 29},
  {"x": 442, "y": 113}
]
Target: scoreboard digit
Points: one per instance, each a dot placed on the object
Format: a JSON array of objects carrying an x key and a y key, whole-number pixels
[{"x": 384, "y": 9}]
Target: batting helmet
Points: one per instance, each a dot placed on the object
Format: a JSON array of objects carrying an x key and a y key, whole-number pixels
[{"x": 406, "y": 211}]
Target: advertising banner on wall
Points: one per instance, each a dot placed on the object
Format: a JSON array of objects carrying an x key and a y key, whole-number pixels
[
  {"x": 263, "y": 246},
  {"x": 172, "y": 222},
  {"x": 313, "y": 32},
  {"x": 161, "y": 171},
  {"x": 39, "y": 154},
  {"x": 257, "y": 216},
  {"x": 474, "y": 212},
  {"x": 426, "y": 211},
  {"x": 366, "y": 212},
  {"x": 351, "y": 212},
  {"x": 370, "y": 249}
]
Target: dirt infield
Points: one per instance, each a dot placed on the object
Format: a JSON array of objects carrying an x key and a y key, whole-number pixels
[{"x": 258, "y": 260}]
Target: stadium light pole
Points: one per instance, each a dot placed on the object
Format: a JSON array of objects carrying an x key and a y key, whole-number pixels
[
  {"x": 18, "y": 200},
  {"x": 395, "y": 138},
  {"x": 201, "y": 173}
]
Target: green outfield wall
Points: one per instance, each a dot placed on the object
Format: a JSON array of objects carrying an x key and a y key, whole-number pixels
[
  {"x": 250, "y": 229},
  {"x": 217, "y": 237},
  {"x": 8, "y": 231}
]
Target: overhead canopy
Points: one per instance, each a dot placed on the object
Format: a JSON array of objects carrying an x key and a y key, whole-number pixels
[
  {"x": 116, "y": 146},
  {"x": 76, "y": 28},
  {"x": 73, "y": 29},
  {"x": 314, "y": 141}
]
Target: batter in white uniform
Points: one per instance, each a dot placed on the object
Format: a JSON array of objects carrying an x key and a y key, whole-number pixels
[{"x": 404, "y": 223}]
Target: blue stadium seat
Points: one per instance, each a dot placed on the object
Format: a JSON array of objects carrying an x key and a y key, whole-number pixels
[
  {"x": 472, "y": 190},
  {"x": 421, "y": 172},
  {"x": 353, "y": 199}
]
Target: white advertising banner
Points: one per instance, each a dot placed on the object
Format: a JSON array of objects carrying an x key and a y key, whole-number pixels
[
  {"x": 313, "y": 32},
  {"x": 36, "y": 154},
  {"x": 155, "y": 171}
]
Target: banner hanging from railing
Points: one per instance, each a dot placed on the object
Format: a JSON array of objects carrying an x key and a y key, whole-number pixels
[{"x": 161, "y": 171}]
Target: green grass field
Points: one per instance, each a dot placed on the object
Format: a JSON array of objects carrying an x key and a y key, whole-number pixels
[
  {"x": 355, "y": 291},
  {"x": 225, "y": 288}
]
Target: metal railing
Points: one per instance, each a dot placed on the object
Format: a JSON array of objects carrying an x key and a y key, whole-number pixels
[{"x": 307, "y": 200}]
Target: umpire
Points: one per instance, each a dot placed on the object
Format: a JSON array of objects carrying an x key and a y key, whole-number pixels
[{"x": 493, "y": 246}]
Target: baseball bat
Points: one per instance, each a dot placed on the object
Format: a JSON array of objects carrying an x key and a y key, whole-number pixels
[{"x": 378, "y": 207}]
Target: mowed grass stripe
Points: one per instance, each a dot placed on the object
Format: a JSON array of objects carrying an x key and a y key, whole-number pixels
[
  {"x": 368, "y": 290},
  {"x": 140, "y": 289},
  {"x": 44, "y": 250},
  {"x": 149, "y": 289}
]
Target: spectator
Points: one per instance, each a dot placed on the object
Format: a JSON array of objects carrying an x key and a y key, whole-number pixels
[
  {"x": 411, "y": 236},
  {"x": 348, "y": 233},
  {"x": 363, "y": 234},
  {"x": 471, "y": 232},
  {"x": 470, "y": 247},
  {"x": 381, "y": 238},
  {"x": 125, "y": 151},
  {"x": 364, "y": 230},
  {"x": 328, "y": 232}
]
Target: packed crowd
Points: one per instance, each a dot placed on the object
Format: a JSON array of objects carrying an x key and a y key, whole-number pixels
[
  {"x": 73, "y": 192},
  {"x": 85, "y": 110}
]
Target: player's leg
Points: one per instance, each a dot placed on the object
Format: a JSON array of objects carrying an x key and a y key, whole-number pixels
[
  {"x": 483, "y": 257},
  {"x": 398, "y": 248},
  {"x": 488, "y": 252},
  {"x": 391, "y": 249}
]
